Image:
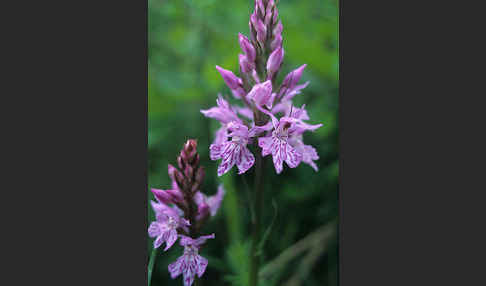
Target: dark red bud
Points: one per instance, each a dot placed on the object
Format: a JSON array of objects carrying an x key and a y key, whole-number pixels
[
  {"x": 195, "y": 187},
  {"x": 190, "y": 145},
  {"x": 195, "y": 163},
  {"x": 179, "y": 178},
  {"x": 189, "y": 172},
  {"x": 180, "y": 161},
  {"x": 200, "y": 175}
]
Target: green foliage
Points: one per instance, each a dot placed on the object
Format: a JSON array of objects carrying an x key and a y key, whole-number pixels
[
  {"x": 238, "y": 259},
  {"x": 186, "y": 39}
]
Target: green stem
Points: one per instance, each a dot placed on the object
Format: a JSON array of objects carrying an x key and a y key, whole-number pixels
[
  {"x": 151, "y": 263},
  {"x": 257, "y": 207}
]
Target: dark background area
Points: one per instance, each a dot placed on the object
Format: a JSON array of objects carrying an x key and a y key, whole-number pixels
[{"x": 186, "y": 40}]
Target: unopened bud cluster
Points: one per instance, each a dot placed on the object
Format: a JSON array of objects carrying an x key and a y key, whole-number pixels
[
  {"x": 181, "y": 212},
  {"x": 191, "y": 175}
]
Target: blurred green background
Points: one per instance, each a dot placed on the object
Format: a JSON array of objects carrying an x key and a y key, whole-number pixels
[{"x": 187, "y": 38}]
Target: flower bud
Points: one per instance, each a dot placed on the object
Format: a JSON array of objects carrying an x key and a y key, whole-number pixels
[
  {"x": 176, "y": 195},
  {"x": 274, "y": 61},
  {"x": 291, "y": 80},
  {"x": 260, "y": 29},
  {"x": 247, "y": 47},
  {"x": 231, "y": 80},
  {"x": 180, "y": 161},
  {"x": 262, "y": 94},
  {"x": 162, "y": 196},
  {"x": 189, "y": 151},
  {"x": 296, "y": 75},
  {"x": 275, "y": 15},
  {"x": 277, "y": 42},
  {"x": 268, "y": 19},
  {"x": 252, "y": 31},
  {"x": 190, "y": 146},
  {"x": 245, "y": 65},
  {"x": 200, "y": 175},
  {"x": 189, "y": 172},
  {"x": 179, "y": 178},
  {"x": 278, "y": 29},
  {"x": 260, "y": 6},
  {"x": 195, "y": 162},
  {"x": 270, "y": 4},
  {"x": 268, "y": 13}
]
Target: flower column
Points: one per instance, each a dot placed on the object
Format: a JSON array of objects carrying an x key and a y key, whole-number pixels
[{"x": 266, "y": 37}]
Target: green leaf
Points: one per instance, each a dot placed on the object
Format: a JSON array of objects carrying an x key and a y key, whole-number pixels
[
  {"x": 268, "y": 230},
  {"x": 151, "y": 263}
]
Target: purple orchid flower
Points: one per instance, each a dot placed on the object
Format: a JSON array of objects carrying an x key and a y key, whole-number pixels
[
  {"x": 190, "y": 263},
  {"x": 279, "y": 143},
  {"x": 224, "y": 113},
  {"x": 234, "y": 151},
  {"x": 166, "y": 225}
]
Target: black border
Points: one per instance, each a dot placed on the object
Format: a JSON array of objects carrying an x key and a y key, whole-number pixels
[{"x": 77, "y": 156}]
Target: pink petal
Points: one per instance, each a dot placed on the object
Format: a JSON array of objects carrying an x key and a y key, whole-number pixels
[
  {"x": 292, "y": 157},
  {"x": 202, "y": 239},
  {"x": 309, "y": 154},
  {"x": 266, "y": 144},
  {"x": 245, "y": 111},
  {"x": 175, "y": 268},
  {"x": 282, "y": 151},
  {"x": 185, "y": 240},
  {"x": 215, "y": 151},
  {"x": 201, "y": 264},
  {"x": 278, "y": 155},
  {"x": 228, "y": 154},
  {"x": 188, "y": 279},
  {"x": 199, "y": 198},
  {"x": 214, "y": 202},
  {"x": 244, "y": 160},
  {"x": 154, "y": 229},
  {"x": 189, "y": 272},
  {"x": 158, "y": 241},
  {"x": 221, "y": 136},
  {"x": 171, "y": 238}
]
